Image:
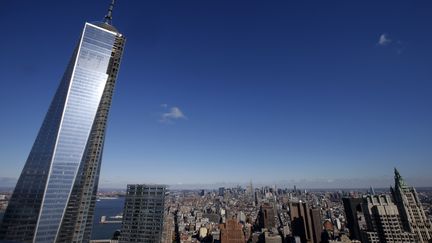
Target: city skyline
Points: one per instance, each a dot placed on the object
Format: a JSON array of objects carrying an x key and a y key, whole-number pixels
[{"x": 338, "y": 95}]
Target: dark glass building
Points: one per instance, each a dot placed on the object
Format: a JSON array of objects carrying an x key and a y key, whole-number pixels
[
  {"x": 143, "y": 214},
  {"x": 55, "y": 195}
]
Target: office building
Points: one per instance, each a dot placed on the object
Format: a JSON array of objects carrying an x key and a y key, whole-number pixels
[
  {"x": 231, "y": 232},
  {"x": 354, "y": 216},
  {"x": 383, "y": 221},
  {"x": 55, "y": 195},
  {"x": 266, "y": 217},
  {"x": 316, "y": 224},
  {"x": 305, "y": 222},
  {"x": 221, "y": 191},
  {"x": 413, "y": 217},
  {"x": 143, "y": 214}
]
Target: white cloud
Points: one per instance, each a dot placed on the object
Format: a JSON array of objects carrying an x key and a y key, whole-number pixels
[
  {"x": 384, "y": 40},
  {"x": 173, "y": 113}
]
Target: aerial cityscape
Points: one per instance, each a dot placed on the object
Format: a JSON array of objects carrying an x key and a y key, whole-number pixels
[{"x": 223, "y": 132}]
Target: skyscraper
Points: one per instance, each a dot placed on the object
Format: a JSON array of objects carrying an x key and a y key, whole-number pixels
[
  {"x": 383, "y": 221},
  {"x": 221, "y": 191},
  {"x": 54, "y": 198},
  {"x": 266, "y": 216},
  {"x": 354, "y": 214},
  {"x": 413, "y": 217},
  {"x": 231, "y": 232},
  {"x": 143, "y": 214},
  {"x": 305, "y": 222},
  {"x": 251, "y": 192}
]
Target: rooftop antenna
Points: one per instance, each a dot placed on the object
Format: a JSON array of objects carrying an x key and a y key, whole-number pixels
[{"x": 108, "y": 17}]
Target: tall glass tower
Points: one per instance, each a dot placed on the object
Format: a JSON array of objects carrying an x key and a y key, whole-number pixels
[{"x": 55, "y": 195}]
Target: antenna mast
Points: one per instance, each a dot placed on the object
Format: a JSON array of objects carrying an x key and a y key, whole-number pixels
[{"x": 108, "y": 17}]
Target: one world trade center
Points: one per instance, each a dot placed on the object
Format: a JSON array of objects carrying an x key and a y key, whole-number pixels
[{"x": 55, "y": 195}]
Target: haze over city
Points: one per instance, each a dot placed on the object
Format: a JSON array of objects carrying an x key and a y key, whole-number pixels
[{"x": 329, "y": 94}]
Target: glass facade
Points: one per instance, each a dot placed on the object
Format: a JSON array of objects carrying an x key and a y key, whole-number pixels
[
  {"x": 143, "y": 213},
  {"x": 53, "y": 178}
]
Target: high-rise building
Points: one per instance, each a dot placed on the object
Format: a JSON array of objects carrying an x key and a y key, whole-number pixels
[
  {"x": 251, "y": 192},
  {"x": 221, "y": 191},
  {"x": 413, "y": 217},
  {"x": 354, "y": 215},
  {"x": 54, "y": 197},
  {"x": 305, "y": 222},
  {"x": 316, "y": 224},
  {"x": 383, "y": 221},
  {"x": 371, "y": 190},
  {"x": 266, "y": 216},
  {"x": 143, "y": 214},
  {"x": 231, "y": 232}
]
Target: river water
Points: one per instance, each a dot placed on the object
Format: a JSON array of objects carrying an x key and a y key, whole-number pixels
[{"x": 107, "y": 207}]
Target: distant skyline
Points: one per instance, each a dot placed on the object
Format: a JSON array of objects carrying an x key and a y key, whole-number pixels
[
  {"x": 322, "y": 93},
  {"x": 319, "y": 183}
]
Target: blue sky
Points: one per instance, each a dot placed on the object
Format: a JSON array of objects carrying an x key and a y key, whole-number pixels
[{"x": 291, "y": 92}]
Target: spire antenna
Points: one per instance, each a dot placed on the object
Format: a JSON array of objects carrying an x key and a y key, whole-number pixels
[{"x": 108, "y": 17}]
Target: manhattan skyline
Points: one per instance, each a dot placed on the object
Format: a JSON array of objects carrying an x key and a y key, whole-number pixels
[{"x": 210, "y": 92}]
